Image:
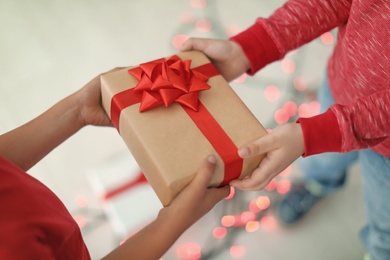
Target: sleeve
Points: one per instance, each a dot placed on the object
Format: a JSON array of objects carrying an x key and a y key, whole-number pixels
[
  {"x": 344, "y": 128},
  {"x": 295, "y": 23}
]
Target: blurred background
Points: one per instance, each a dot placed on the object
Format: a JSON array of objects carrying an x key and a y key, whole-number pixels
[{"x": 51, "y": 48}]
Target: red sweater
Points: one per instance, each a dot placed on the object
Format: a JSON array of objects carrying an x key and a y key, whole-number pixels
[
  {"x": 34, "y": 223},
  {"x": 358, "y": 70}
]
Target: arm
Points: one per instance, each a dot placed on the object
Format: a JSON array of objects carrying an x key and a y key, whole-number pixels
[
  {"x": 289, "y": 27},
  {"x": 29, "y": 143},
  {"x": 294, "y": 24},
  {"x": 190, "y": 205},
  {"x": 360, "y": 125}
]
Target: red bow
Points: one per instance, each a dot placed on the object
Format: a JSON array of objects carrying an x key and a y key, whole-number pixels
[{"x": 163, "y": 82}]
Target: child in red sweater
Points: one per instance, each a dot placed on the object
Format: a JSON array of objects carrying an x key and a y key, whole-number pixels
[
  {"x": 355, "y": 102},
  {"x": 35, "y": 224}
]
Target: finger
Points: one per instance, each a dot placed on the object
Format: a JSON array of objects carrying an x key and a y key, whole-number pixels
[
  {"x": 194, "y": 44},
  {"x": 260, "y": 146},
  {"x": 202, "y": 178},
  {"x": 260, "y": 177},
  {"x": 112, "y": 70},
  {"x": 218, "y": 194}
]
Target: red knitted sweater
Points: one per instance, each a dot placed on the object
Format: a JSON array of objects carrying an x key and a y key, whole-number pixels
[{"x": 358, "y": 70}]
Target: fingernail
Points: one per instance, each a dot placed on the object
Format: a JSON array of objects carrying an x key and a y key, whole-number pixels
[
  {"x": 243, "y": 152},
  {"x": 212, "y": 159}
]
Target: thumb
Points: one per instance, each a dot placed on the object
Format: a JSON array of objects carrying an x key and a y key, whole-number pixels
[
  {"x": 260, "y": 146},
  {"x": 194, "y": 44}
]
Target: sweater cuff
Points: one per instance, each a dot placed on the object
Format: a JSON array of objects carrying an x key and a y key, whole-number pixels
[
  {"x": 321, "y": 133},
  {"x": 258, "y": 46}
]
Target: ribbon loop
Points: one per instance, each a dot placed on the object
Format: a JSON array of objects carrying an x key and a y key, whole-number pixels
[{"x": 164, "y": 82}]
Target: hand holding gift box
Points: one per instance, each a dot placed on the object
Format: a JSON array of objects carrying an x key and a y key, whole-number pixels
[{"x": 172, "y": 113}]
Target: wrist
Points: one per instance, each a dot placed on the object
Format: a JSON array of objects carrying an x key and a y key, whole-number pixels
[
  {"x": 78, "y": 108},
  {"x": 241, "y": 58}
]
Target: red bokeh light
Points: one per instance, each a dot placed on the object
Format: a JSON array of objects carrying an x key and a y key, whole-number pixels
[
  {"x": 80, "y": 220},
  {"x": 252, "y": 226},
  {"x": 189, "y": 251},
  {"x": 219, "y": 232},
  {"x": 247, "y": 216},
  {"x": 263, "y": 202},
  {"x": 281, "y": 116},
  {"x": 327, "y": 38},
  {"x": 288, "y": 66},
  {"x": 241, "y": 78},
  {"x": 283, "y": 186},
  {"x": 179, "y": 39},
  {"x": 203, "y": 25},
  {"x": 290, "y": 107},
  {"x": 237, "y": 251},
  {"x": 228, "y": 221},
  {"x": 268, "y": 223},
  {"x": 271, "y": 185},
  {"x": 272, "y": 93},
  {"x": 300, "y": 84},
  {"x": 199, "y": 4}
]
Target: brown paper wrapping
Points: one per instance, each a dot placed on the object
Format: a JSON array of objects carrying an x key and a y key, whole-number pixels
[{"x": 167, "y": 144}]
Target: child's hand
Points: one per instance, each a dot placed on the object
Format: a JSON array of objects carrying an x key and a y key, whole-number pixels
[
  {"x": 88, "y": 99},
  {"x": 196, "y": 199},
  {"x": 227, "y": 56},
  {"x": 282, "y": 147}
]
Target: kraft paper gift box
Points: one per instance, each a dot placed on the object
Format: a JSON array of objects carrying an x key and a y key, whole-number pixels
[{"x": 172, "y": 113}]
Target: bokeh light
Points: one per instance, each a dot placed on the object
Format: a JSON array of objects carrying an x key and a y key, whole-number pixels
[
  {"x": 252, "y": 226},
  {"x": 198, "y": 4},
  {"x": 286, "y": 171},
  {"x": 80, "y": 220},
  {"x": 247, "y": 216},
  {"x": 241, "y": 78},
  {"x": 268, "y": 223},
  {"x": 283, "y": 186},
  {"x": 271, "y": 185},
  {"x": 281, "y": 116},
  {"x": 272, "y": 93},
  {"x": 327, "y": 38},
  {"x": 232, "y": 30},
  {"x": 179, "y": 39},
  {"x": 187, "y": 18},
  {"x": 308, "y": 110},
  {"x": 228, "y": 220},
  {"x": 263, "y": 202},
  {"x": 253, "y": 206},
  {"x": 288, "y": 65},
  {"x": 290, "y": 107},
  {"x": 203, "y": 25},
  {"x": 81, "y": 201},
  {"x": 237, "y": 251},
  {"x": 189, "y": 251},
  {"x": 219, "y": 232},
  {"x": 300, "y": 84}
]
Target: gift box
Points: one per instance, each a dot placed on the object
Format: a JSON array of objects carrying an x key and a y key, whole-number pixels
[
  {"x": 121, "y": 191},
  {"x": 175, "y": 111}
]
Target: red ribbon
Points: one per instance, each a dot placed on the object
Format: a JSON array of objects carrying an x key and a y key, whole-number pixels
[
  {"x": 126, "y": 186},
  {"x": 163, "y": 82}
]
